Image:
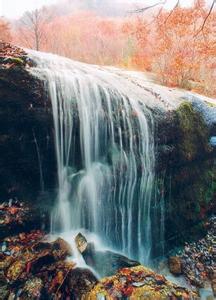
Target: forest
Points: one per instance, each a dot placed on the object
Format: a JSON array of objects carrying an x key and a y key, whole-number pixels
[{"x": 177, "y": 46}]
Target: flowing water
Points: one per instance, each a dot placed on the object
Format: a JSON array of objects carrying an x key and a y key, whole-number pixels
[{"x": 104, "y": 137}]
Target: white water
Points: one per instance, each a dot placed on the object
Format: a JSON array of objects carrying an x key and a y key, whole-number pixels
[{"x": 105, "y": 153}]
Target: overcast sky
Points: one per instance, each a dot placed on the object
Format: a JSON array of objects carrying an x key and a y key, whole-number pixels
[{"x": 15, "y": 8}]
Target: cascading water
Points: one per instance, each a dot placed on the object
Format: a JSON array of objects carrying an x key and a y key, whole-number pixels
[{"x": 105, "y": 153}]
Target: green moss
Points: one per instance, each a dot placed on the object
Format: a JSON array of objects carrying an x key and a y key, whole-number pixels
[
  {"x": 194, "y": 192},
  {"x": 15, "y": 60},
  {"x": 210, "y": 104},
  {"x": 193, "y": 132}
]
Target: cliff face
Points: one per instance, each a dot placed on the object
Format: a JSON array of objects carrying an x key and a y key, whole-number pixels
[
  {"x": 185, "y": 165},
  {"x": 187, "y": 171},
  {"x": 26, "y": 125}
]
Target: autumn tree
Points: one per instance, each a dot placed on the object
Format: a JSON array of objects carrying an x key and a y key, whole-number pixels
[
  {"x": 5, "y": 32},
  {"x": 178, "y": 45},
  {"x": 138, "y": 35},
  {"x": 99, "y": 40},
  {"x": 32, "y": 28},
  {"x": 182, "y": 55}
]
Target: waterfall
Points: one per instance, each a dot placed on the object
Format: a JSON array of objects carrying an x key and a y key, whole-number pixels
[{"x": 104, "y": 139}]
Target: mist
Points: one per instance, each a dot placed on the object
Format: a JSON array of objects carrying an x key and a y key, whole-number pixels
[{"x": 101, "y": 7}]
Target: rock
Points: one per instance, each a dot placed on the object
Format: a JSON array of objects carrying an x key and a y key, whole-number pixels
[
  {"x": 38, "y": 269},
  {"x": 39, "y": 260},
  {"x": 25, "y": 117},
  {"x": 81, "y": 242},
  {"x": 198, "y": 258},
  {"x": 4, "y": 292},
  {"x": 213, "y": 285},
  {"x": 33, "y": 288},
  {"x": 182, "y": 138},
  {"x": 80, "y": 282},
  {"x": 213, "y": 282},
  {"x": 138, "y": 283},
  {"x": 17, "y": 217},
  {"x": 105, "y": 263},
  {"x": 175, "y": 265},
  {"x": 16, "y": 270},
  {"x": 61, "y": 249}
]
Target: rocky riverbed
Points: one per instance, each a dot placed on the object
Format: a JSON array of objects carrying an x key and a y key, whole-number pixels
[
  {"x": 197, "y": 261},
  {"x": 33, "y": 267}
]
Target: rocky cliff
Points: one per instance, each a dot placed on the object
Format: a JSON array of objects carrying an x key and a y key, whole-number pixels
[
  {"x": 185, "y": 153},
  {"x": 26, "y": 140}
]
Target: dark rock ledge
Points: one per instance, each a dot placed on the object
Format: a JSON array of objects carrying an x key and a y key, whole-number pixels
[{"x": 33, "y": 267}]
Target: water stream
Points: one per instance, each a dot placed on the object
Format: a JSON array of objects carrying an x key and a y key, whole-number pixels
[{"x": 104, "y": 139}]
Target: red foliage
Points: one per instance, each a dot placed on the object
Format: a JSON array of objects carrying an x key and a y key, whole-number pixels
[
  {"x": 169, "y": 44},
  {"x": 5, "y": 32}
]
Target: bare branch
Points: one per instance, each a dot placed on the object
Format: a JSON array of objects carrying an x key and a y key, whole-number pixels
[
  {"x": 143, "y": 9},
  {"x": 206, "y": 18},
  {"x": 171, "y": 12}
]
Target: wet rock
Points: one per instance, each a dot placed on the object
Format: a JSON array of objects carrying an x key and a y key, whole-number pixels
[
  {"x": 17, "y": 217},
  {"x": 175, "y": 265},
  {"x": 213, "y": 282},
  {"x": 42, "y": 259},
  {"x": 80, "y": 282},
  {"x": 81, "y": 242},
  {"x": 138, "y": 283},
  {"x": 4, "y": 292},
  {"x": 25, "y": 118},
  {"x": 32, "y": 268},
  {"x": 198, "y": 258},
  {"x": 16, "y": 270},
  {"x": 33, "y": 288},
  {"x": 4, "y": 289},
  {"x": 61, "y": 249},
  {"x": 105, "y": 263}
]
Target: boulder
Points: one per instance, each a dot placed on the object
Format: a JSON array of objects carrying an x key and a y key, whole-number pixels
[
  {"x": 138, "y": 283},
  {"x": 175, "y": 265},
  {"x": 213, "y": 282},
  {"x": 80, "y": 282},
  {"x": 61, "y": 249},
  {"x": 17, "y": 217},
  {"x": 183, "y": 134},
  {"x": 105, "y": 263},
  {"x": 81, "y": 242}
]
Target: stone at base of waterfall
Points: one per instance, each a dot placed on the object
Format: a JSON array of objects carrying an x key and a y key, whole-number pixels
[
  {"x": 61, "y": 249},
  {"x": 33, "y": 268},
  {"x": 198, "y": 258},
  {"x": 213, "y": 282},
  {"x": 17, "y": 217},
  {"x": 80, "y": 282},
  {"x": 105, "y": 263},
  {"x": 138, "y": 283},
  {"x": 175, "y": 265}
]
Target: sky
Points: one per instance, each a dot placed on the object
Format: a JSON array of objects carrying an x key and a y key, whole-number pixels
[{"x": 15, "y": 8}]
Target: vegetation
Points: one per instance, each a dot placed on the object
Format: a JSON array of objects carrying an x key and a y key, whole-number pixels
[
  {"x": 5, "y": 32},
  {"x": 179, "y": 46}
]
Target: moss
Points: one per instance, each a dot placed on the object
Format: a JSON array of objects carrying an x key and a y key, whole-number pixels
[
  {"x": 15, "y": 60},
  {"x": 193, "y": 132},
  {"x": 210, "y": 104},
  {"x": 18, "y": 60},
  {"x": 189, "y": 200}
]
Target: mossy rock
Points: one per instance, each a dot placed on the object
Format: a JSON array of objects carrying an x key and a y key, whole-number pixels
[
  {"x": 193, "y": 139},
  {"x": 138, "y": 283},
  {"x": 14, "y": 60}
]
